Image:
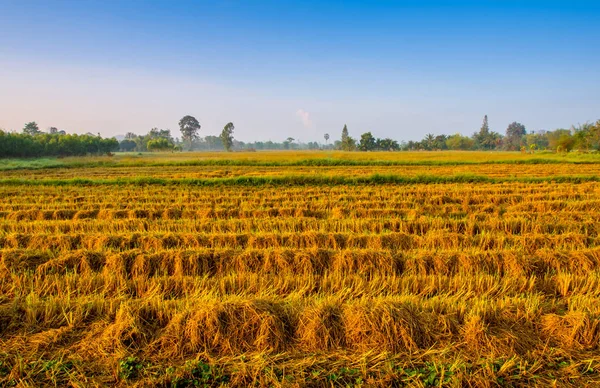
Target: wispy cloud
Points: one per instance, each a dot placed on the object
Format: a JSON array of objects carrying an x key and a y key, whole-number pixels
[{"x": 305, "y": 117}]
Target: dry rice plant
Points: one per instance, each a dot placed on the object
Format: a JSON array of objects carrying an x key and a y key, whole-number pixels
[{"x": 266, "y": 272}]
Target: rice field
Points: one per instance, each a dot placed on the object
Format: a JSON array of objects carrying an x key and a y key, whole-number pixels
[
  {"x": 203, "y": 172},
  {"x": 260, "y": 269}
]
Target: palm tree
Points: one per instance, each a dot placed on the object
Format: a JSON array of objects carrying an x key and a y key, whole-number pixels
[{"x": 429, "y": 141}]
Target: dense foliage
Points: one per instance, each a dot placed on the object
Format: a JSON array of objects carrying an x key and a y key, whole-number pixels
[
  {"x": 18, "y": 145},
  {"x": 585, "y": 137}
]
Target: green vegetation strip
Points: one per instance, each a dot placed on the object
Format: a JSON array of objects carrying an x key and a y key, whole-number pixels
[
  {"x": 17, "y": 164},
  {"x": 297, "y": 180}
]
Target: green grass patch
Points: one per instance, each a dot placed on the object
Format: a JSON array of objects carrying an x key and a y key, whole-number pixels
[
  {"x": 343, "y": 160},
  {"x": 297, "y": 180}
]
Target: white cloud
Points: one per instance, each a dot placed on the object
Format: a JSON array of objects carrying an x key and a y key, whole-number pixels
[{"x": 305, "y": 117}]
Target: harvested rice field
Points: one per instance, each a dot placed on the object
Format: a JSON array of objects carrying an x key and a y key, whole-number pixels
[{"x": 300, "y": 269}]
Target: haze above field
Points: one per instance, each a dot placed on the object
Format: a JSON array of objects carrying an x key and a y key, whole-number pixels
[{"x": 279, "y": 69}]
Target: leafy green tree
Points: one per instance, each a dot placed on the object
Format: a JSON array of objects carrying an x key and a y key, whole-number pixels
[
  {"x": 189, "y": 128},
  {"x": 514, "y": 136},
  {"x": 560, "y": 140},
  {"x": 141, "y": 143},
  {"x": 594, "y": 135},
  {"x": 493, "y": 141},
  {"x": 159, "y": 144},
  {"x": 108, "y": 145},
  {"x": 31, "y": 128},
  {"x": 566, "y": 142},
  {"x": 213, "y": 142},
  {"x": 459, "y": 142},
  {"x": 156, "y": 133},
  {"x": 227, "y": 136},
  {"x": 538, "y": 140},
  {"x": 127, "y": 145},
  {"x": 585, "y": 136},
  {"x": 582, "y": 140},
  {"x": 367, "y": 142},
  {"x": 387, "y": 144},
  {"x": 440, "y": 142}
]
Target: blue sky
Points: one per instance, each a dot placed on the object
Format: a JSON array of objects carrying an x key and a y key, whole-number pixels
[{"x": 299, "y": 69}]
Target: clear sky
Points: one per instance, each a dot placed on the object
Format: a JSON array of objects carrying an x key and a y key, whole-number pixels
[{"x": 399, "y": 69}]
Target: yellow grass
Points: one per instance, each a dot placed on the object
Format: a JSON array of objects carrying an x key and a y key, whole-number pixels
[
  {"x": 471, "y": 156},
  {"x": 484, "y": 284}
]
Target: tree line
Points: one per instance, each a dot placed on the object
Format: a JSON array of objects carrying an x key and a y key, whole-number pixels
[
  {"x": 32, "y": 142},
  {"x": 35, "y": 143},
  {"x": 585, "y": 137},
  {"x": 162, "y": 140}
]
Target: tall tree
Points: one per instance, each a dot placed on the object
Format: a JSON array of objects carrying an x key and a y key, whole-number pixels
[
  {"x": 485, "y": 127},
  {"x": 227, "y": 136},
  {"x": 482, "y": 137},
  {"x": 189, "y": 128},
  {"x": 486, "y": 139},
  {"x": 31, "y": 128},
  {"x": 514, "y": 136},
  {"x": 345, "y": 134},
  {"x": 288, "y": 143},
  {"x": 347, "y": 143}
]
